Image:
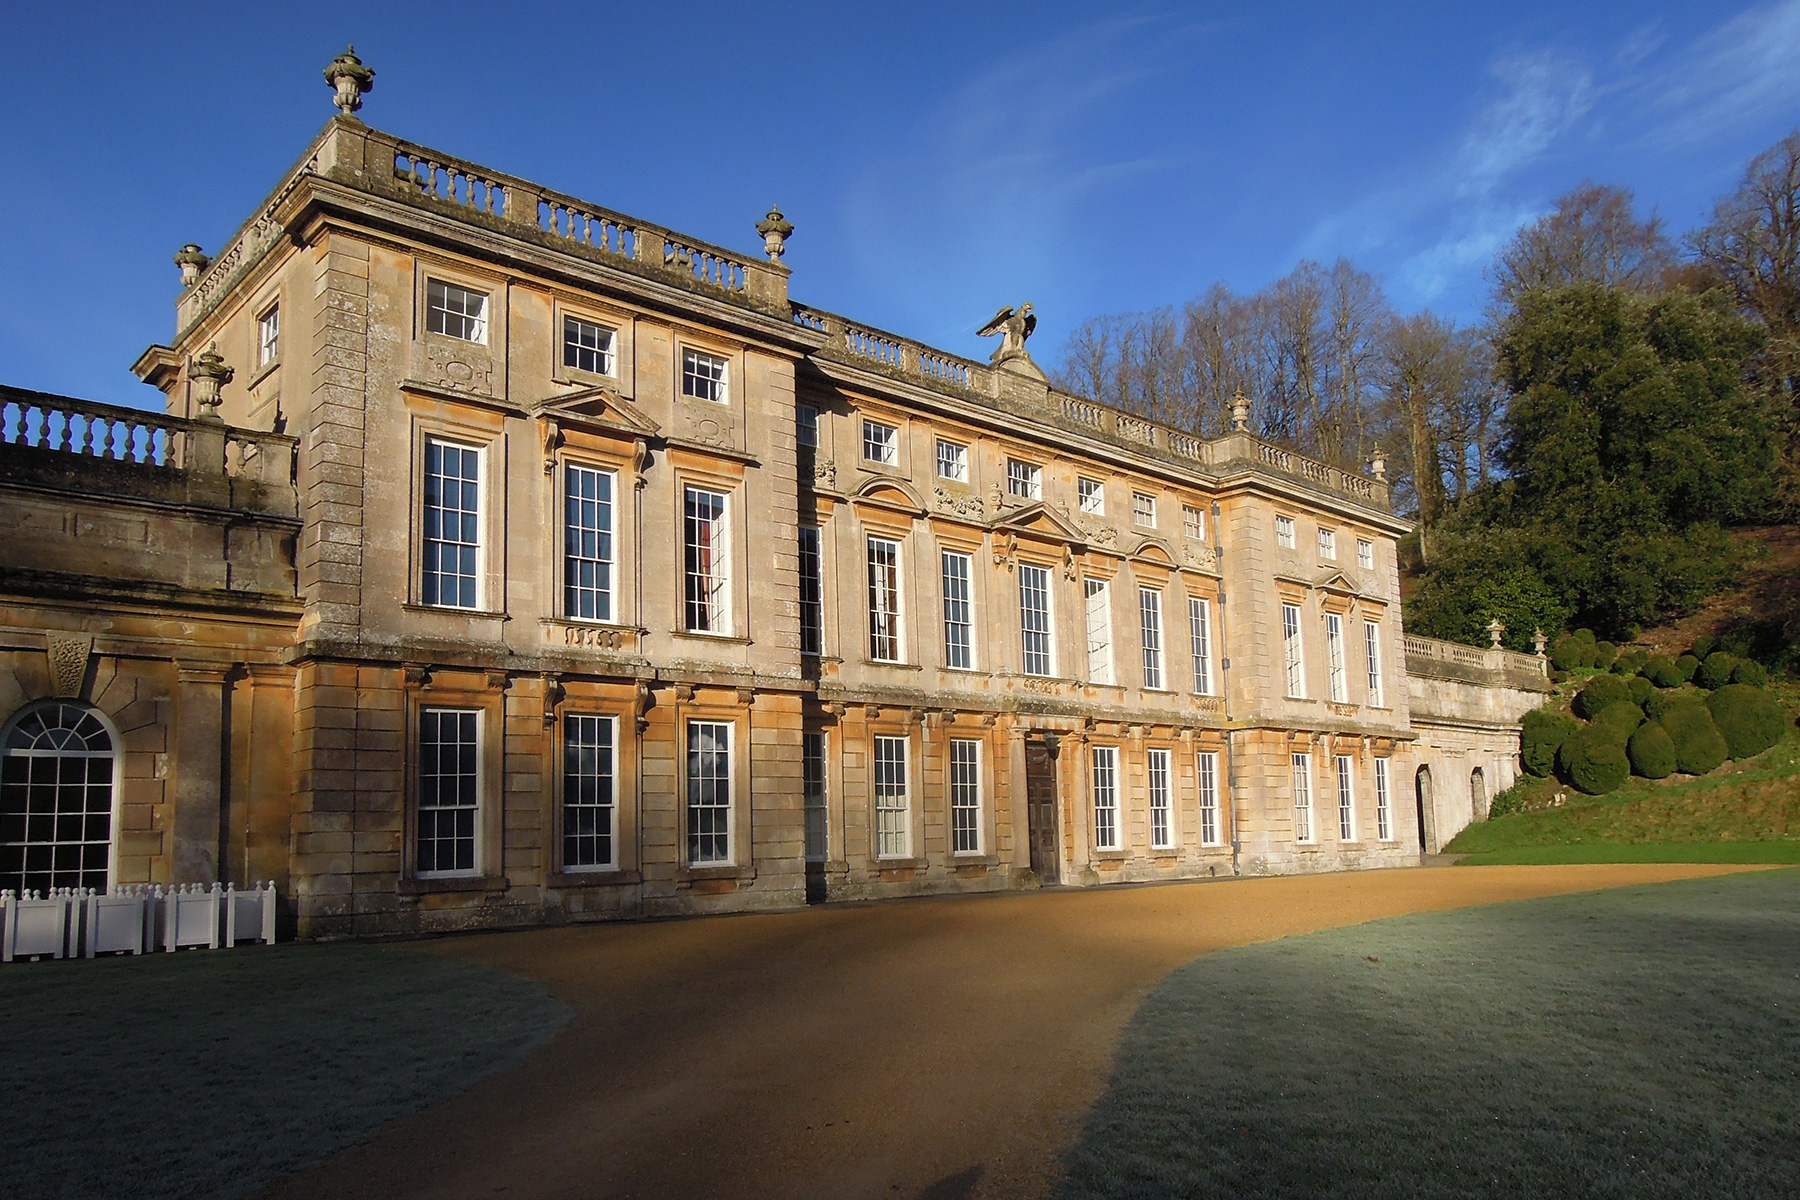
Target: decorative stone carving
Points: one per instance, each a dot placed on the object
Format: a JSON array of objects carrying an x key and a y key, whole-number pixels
[
  {"x": 192, "y": 262},
  {"x": 68, "y": 661},
  {"x": 641, "y": 702},
  {"x": 1203, "y": 557},
  {"x": 825, "y": 472},
  {"x": 1240, "y": 412},
  {"x": 1068, "y": 564},
  {"x": 350, "y": 80},
  {"x": 774, "y": 230},
  {"x": 209, "y": 373},
  {"x": 640, "y": 461},
  {"x": 1013, "y": 325},
  {"x": 709, "y": 430},
  {"x": 1378, "y": 465},
  {"x": 1004, "y": 550},
  {"x": 456, "y": 369},
  {"x": 553, "y": 695},
  {"x": 968, "y": 505},
  {"x": 1097, "y": 533},
  {"x": 1496, "y": 631}
]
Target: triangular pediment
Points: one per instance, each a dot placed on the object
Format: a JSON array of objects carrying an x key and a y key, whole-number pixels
[
  {"x": 1335, "y": 580},
  {"x": 1039, "y": 519},
  {"x": 599, "y": 407}
]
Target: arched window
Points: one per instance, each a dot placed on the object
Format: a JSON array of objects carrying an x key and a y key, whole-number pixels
[{"x": 58, "y": 784}]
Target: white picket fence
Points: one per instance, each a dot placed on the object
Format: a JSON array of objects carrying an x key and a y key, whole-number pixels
[{"x": 77, "y": 922}]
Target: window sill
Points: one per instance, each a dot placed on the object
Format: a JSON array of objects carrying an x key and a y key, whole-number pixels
[
  {"x": 702, "y": 635},
  {"x": 598, "y": 877},
  {"x": 451, "y": 610},
  {"x": 431, "y": 884},
  {"x": 693, "y": 874},
  {"x": 264, "y": 371},
  {"x": 898, "y": 666}
]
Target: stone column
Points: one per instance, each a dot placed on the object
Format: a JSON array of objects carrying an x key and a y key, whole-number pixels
[{"x": 199, "y": 771}]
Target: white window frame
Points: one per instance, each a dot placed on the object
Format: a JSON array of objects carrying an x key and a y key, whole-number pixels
[
  {"x": 268, "y": 336},
  {"x": 706, "y": 591},
  {"x": 695, "y": 784},
  {"x": 880, "y": 442},
  {"x": 1024, "y": 480},
  {"x": 475, "y": 781},
  {"x": 1097, "y": 603},
  {"x": 1336, "y": 675},
  {"x": 1372, "y": 653},
  {"x": 1345, "y": 767},
  {"x": 892, "y": 795},
  {"x": 1090, "y": 494},
  {"x": 604, "y": 352},
  {"x": 964, "y": 765},
  {"x": 886, "y": 595},
  {"x": 1328, "y": 544},
  {"x": 1206, "y": 786},
  {"x": 1284, "y": 533},
  {"x": 1200, "y": 643},
  {"x": 1384, "y": 805},
  {"x": 1027, "y": 654},
  {"x": 604, "y": 559},
  {"x": 812, "y": 589},
  {"x": 1304, "y": 832},
  {"x": 1193, "y": 522},
  {"x": 1365, "y": 554},
  {"x": 815, "y": 787},
  {"x": 1150, "y": 636},
  {"x": 952, "y": 461},
  {"x": 1159, "y": 769},
  {"x": 1143, "y": 509},
  {"x": 705, "y": 376},
  {"x": 1293, "y": 651},
  {"x": 1104, "y": 766},
  {"x": 477, "y": 515},
  {"x": 959, "y": 608},
  {"x": 572, "y": 724},
  {"x": 806, "y": 426},
  {"x": 461, "y": 322}
]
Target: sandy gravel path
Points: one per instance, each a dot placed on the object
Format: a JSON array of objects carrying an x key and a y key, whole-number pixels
[{"x": 939, "y": 1048}]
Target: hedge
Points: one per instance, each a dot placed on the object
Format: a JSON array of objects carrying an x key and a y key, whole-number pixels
[
  {"x": 1651, "y": 751},
  {"x": 1715, "y": 670},
  {"x": 1593, "y": 760},
  {"x": 1542, "y": 731},
  {"x": 1749, "y": 718},
  {"x": 1601, "y": 691}
]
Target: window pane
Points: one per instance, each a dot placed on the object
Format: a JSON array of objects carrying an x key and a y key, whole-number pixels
[
  {"x": 893, "y": 827},
  {"x": 56, "y": 793},
  {"x": 1346, "y": 788},
  {"x": 1207, "y": 783},
  {"x": 455, "y": 312},
  {"x": 587, "y": 346},
  {"x": 953, "y": 462},
  {"x": 812, "y": 787},
  {"x": 1200, "y": 637},
  {"x": 449, "y": 790},
  {"x": 1099, "y": 630},
  {"x": 812, "y": 592},
  {"x": 1291, "y": 648},
  {"x": 588, "y": 544},
  {"x": 884, "y": 600},
  {"x": 588, "y": 809},
  {"x": 1106, "y": 798},
  {"x": 1162, "y": 823},
  {"x": 1334, "y": 656},
  {"x": 1303, "y": 798},
  {"x": 959, "y": 648},
  {"x": 703, "y": 376},
  {"x": 1150, "y": 622},
  {"x": 1034, "y": 618},
  {"x": 965, "y": 796},
  {"x": 452, "y": 524},
  {"x": 881, "y": 443},
  {"x": 709, "y": 792},
  {"x": 707, "y": 563}
]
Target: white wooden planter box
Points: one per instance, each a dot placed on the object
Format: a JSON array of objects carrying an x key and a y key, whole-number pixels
[
  {"x": 34, "y": 925},
  {"x": 120, "y": 921}
]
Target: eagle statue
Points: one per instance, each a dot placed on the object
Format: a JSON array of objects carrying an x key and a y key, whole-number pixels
[{"x": 1013, "y": 325}]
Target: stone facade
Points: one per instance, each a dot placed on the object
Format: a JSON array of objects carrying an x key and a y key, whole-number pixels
[{"x": 830, "y": 658}]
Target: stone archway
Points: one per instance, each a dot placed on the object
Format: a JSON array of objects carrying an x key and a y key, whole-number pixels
[
  {"x": 1427, "y": 811},
  {"x": 1478, "y": 795}
]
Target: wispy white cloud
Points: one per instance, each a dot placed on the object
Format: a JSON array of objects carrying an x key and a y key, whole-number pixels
[
  {"x": 1742, "y": 69},
  {"x": 1544, "y": 94}
]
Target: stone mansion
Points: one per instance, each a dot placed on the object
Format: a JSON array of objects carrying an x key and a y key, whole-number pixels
[{"x": 497, "y": 558}]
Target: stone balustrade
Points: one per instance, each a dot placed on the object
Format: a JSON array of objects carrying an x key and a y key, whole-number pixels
[
  {"x": 1437, "y": 659},
  {"x": 202, "y": 461}
]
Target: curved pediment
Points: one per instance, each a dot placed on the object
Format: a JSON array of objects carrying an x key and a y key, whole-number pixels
[
  {"x": 891, "y": 493},
  {"x": 1154, "y": 550}
]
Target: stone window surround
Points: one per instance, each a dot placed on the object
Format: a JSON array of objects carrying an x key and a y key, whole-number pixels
[
  {"x": 455, "y": 690},
  {"x": 626, "y": 749},
  {"x": 271, "y": 300},
  {"x": 624, "y": 327},
  {"x": 491, "y": 446},
  {"x": 915, "y": 799},
  {"x": 984, "y": 792},
  {"x": 893, "y": 528},
  {"x": 624, "y": 534},
  {"x": 495, "y": 287},
  {"x": 736, "y": 531}
]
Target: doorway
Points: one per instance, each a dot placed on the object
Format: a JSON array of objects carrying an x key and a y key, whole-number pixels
[{"x": 1040, "y": 807}]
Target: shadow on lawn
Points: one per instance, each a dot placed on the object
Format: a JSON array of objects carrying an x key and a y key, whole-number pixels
[
  {"x": 208, "y": 1074},
  {"x": 1637, "y": 1042}
]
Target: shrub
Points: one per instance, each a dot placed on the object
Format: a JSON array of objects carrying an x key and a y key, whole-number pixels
[
  {"x": 1601, "y": 691},
  {"x": 1641, "y": 689},
  {"x": 1715, "y": 670},
  {"x": 1622, "y": 716},
  {"x": 1687, "y": 664},
  {"x": 1593, "y": 760},
  {"x": 1662, "y": 671},
  {"x": 1704, "y": 645},
  {"x": 1699, "y": 746},
  {"x": 1749, "y": 718},
  {"x": 1750, "y": 674},
  {"x": 1542, "y": 732},
  {"x": 1605, "y": 653},
  {"x": 1508, "y": 802},
  {"x": 1651, "y": 751},
  {"x": 1571, "y": 653}
]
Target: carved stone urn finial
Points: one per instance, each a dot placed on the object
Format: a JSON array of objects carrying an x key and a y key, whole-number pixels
[
  {"x": 350, "y": 79},
  {"x": 1496, "y": 630},
  {"x": 1378, "y": 465},
  {"x": 192, "y": 261},
  {"x": 209, "y": 374},
  {"x": 1240, "y": 412},
  {"x": 1539, "y": 642},
  {"x": 775, "y": 230}
]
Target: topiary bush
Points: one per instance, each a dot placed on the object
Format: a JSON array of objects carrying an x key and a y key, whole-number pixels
[
  {"x": 1699, "y": 746},
  {"x": 1687, "y": 664},
  {"x": 1604, "y": 655},
  {"x": 1715, "y": 670},
  {"x": 1601, "y": 691},
  {"x": 1571, "y": 653},
  {"x": 1750, "y": 674},
  {"x": 1704, "y": 645},
  {"x": 1651, "y": 751},
  {"x": 1662, "y": 671},
  {"x": 1748, "y": 717},
  {"x": 1541, "y": 733},
  {"x": 1641, "y": 689},
  {"x": 1593, "y": 760},
  {"x": 1621, "y": 716}
]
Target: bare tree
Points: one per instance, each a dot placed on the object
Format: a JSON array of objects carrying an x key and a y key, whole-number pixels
[
  {"x": 1418, "y": 372},
  {"x": 1592, "y": 236}
]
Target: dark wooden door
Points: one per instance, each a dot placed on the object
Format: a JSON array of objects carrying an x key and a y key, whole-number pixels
[{"x": 1040, "y": 808}]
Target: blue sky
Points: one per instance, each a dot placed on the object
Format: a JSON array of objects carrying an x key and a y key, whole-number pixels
[{"x": 939, "y": 160}]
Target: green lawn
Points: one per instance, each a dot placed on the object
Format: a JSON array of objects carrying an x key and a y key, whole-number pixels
[
  {"x": 1637, "y": 852},
  {"x": 1642, "y": 1042},
  {"x": 208, "y": 1073}
]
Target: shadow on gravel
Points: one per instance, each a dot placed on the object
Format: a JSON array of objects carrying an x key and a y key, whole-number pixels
[
  {"x": 1637, "y": 1042},
  {"x": 206, "y": 1074}
]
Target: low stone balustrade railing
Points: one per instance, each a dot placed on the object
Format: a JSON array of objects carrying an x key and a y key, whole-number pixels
[{"x": 1433, "y": 658}]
